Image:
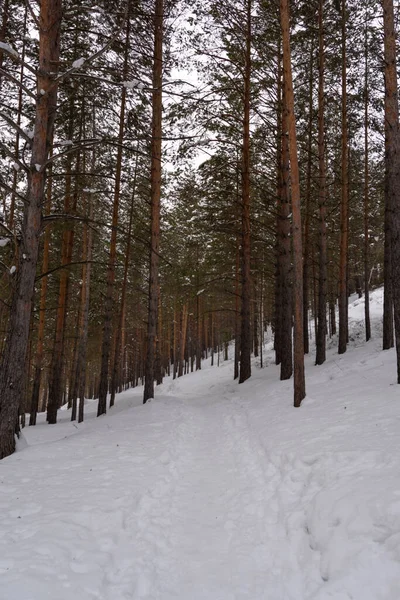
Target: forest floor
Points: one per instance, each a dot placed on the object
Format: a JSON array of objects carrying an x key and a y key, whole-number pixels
[{"x": 216, "y": 491}]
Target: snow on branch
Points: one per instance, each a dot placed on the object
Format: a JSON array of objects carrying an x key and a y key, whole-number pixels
[
  {"x": 8, "y": 49},
  {"x": 11, "y": 155},
  {"x": 134, "y": 84},
  {"x": 73, "y": 147},
  {"x": 77, "y": 64}
]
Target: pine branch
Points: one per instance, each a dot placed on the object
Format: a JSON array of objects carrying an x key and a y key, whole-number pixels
[
  {"x": 11, "y": 155},
  {"x": 9, "y": 189},
  {"x": 15, "y": 126},
  {"x": 18, "y": 83},
  {"x": 71, "y": 264}
]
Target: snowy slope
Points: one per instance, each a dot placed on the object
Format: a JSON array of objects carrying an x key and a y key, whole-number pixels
[{"x": 216, "y": 491}]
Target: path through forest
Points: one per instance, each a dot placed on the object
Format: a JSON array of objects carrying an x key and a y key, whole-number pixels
[{"x": 215, "y": 491}]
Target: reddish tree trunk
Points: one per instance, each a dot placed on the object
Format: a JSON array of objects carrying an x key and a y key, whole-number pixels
[
  {"x": 108, "y": 303},
  {"x": 344, "y": 205},
  {"x": 42, "y": 317},
  {"x": 298, "y": 355},
  {"x": 245, "y": 334},
  {"x": 13, "y": 362},
  {"x": 392, "y": 162},
  {"x": 121, "y": 324},
  {"x": 366, "y": 188},
  {"x": 155, "y": 200},
  {"x": 322, "y": 274},
  {"x": 306, "y": 261},
  {"x": 284, "y": 256}
]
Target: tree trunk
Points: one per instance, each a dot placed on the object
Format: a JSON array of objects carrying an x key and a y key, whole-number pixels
[
  {"x": 298, "y": 355},
  {"x": 279, "y": 188},
  {"x": 183, "y": 333},
  {"x": 13, "y": 362},
  {"x": 122, "y": 315},
  {"x": 199, "y": 332},
  {"x": 388, "y": 332},
  {"x": 392, "y": 162},
  {"x": 158, "y": 361},
  {"x": 256, "y": 339},
  {"x": 3, "y": 32},
  {"x": 17, "y": 138},
  {"x": 366, "y": 188},
  {"x": 56, "y": 387},
  {"x": 284, "y": 257},
  {"x": 237, "y": 313},
  {"x": 80, "y": 376},
  {"x": 322, "y": 275},
  {"x": 344, "y": 205},
  {"x": 108, "y": 303},
  {"x": 306, "y": 261},
  {"x": 155, "y": 200},
  {"x": 245, "y": 334},
  {"x": 42, "y": 313}
]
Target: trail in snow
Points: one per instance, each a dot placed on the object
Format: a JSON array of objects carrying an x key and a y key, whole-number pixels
[
  {"x": 217, "y": 515},
  {"x": 215, "y": 491}
]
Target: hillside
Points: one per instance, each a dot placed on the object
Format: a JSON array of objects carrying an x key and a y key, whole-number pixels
[{"x": 216, "y": 491}]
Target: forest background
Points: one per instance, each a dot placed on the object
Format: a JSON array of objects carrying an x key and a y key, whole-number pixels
[{"x": 124, "y": 255}]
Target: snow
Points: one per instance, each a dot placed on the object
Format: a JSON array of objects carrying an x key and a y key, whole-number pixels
[
  {"x": 38, "y": 167},
  {"x": 216, "y": 491},
  {"x": 77, "y": 64},
  {"x": 4, "y": 242},
  {"x": 9, "y": 49},
  {"x": 13, "y": 269},
  {"x": 133, "y": 84}
]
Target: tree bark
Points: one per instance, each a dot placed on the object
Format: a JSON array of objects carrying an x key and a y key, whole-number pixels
[
  {"x": 245, "y": 334},
  {"x": 121, "y": 322},
  {"x": 56, "y": 387},
  {"x": 284, "y": 256},
  {"x": 344, "y": 205},
  {"x": 392, "y": 162},
  {"x": 108, "y": 303},
  {"x": 237, "y": 312},
  {"x": 13, "y": 362},
  {"x": 42, "y": 315},
  {"x": 307, "y": 241},
  {"x": 155, "y": 199},
  {"x": 279, "y": 187},
  {"x": 366, "y": 187},
  {"x": 80, "y": 376},
  {"x": 298, "y": 355},
  {"x": 322, "y": 275}
]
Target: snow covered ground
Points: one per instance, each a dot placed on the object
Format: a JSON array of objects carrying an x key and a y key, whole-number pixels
[{"x": 216, "y": 491}]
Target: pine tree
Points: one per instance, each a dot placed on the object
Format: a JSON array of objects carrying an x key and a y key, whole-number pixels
[
  {"x": 298, "y": 356},
  {"x": 13, "y": 361},
  {"x": 155, "y": 199}
]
